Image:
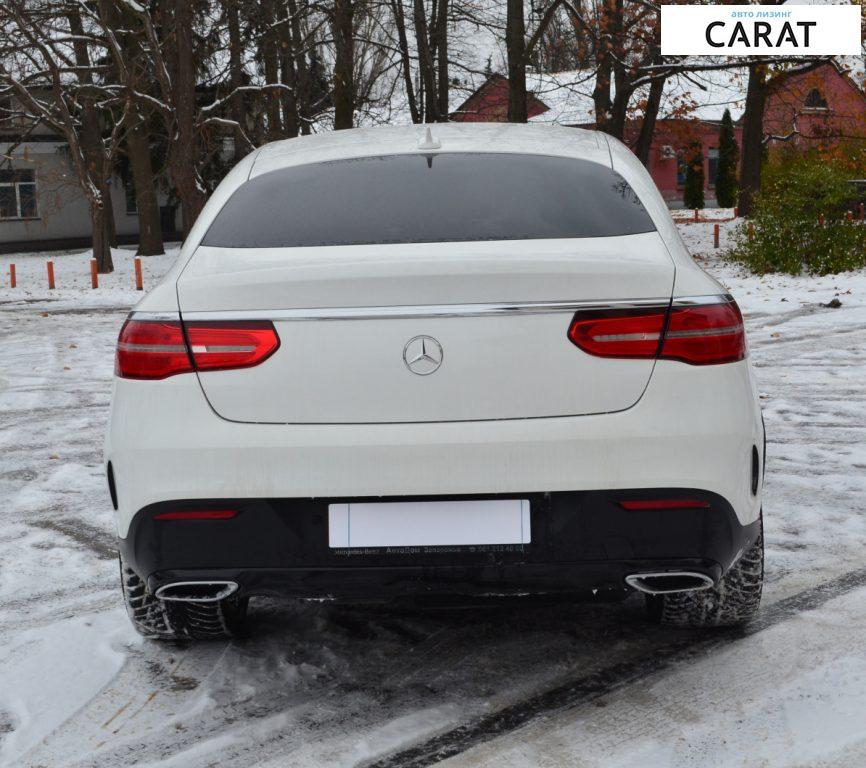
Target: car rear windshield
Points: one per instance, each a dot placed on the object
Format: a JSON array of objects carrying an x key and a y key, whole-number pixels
[{"x": 456, "y": 197}]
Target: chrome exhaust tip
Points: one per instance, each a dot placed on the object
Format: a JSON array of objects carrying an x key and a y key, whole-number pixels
[
  {"x": 196, "y": 591},
  {"x": 665, "y": 582}
]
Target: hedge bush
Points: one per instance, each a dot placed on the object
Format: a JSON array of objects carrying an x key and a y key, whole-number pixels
[
  {"x": 788, "y": 234},
  {"x": 726, "y": 171}
]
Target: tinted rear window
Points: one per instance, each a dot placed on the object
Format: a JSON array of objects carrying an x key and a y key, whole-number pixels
[{"x": 429, "y": 199}]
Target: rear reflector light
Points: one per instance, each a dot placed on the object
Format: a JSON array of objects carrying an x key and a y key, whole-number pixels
[
  {"x": 156, "y": 349},
  {"x": 197, "y": 514},
  {"x": 699, "y": 334},
  {"x": 664, "y": 504}
]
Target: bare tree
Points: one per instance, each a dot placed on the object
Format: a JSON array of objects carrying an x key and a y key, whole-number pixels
[
  {"x": 138, "y": 151},
  {"x": 441, "y": 38},
  {"x": 269, "y": 56},
  {"x": 137, "y": 143},
  {"x": 762, "y": 75},
  {"x": 518, "y": 56},
  {"x": 238, "y": 107},
  {"x": 520, "y": 49},
  {"x": 172, "y": 66},
  {"x": 654, "y": 98},
  {"x": 405, "y": 59},
  {"x": 342, "y": 19},
  {"x": 49, "y": 62}
]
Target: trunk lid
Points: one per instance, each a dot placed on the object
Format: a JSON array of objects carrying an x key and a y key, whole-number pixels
[{"x": 354, "y": 321}]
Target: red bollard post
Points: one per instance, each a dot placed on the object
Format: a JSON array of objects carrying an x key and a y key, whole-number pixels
[
  {"x": 862, "y": 211},
  {"x": 736, "y": 211},
  {"x": 12, "y": 280},
  {"x": 139, "y": 286},
  {"x": 715, "y": 235},
  {"x": 751, "y": 231},
  {"x": 50, "y": 267},
  {"x": 820, "y": 219},
  {"x": 94, "y": 275},
  {"x": 696, "y": 214}
]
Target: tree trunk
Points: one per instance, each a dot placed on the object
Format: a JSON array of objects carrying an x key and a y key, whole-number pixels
[
  {"x": 442, "y": 55},
  {"x": 289, "y": 77},
  {"x": 643, "y": 145},
  {"x": 149, "y": 229},
  {"x": 753, "y": 137},
  {"x": 615, "y": 125},
  {"x": 91, "y": 144},
  {"x": 185, "y": 150},
  {"x": 515, "y": 46},
  {"x": 271, "y": 65},
  {"x": 110, "y": 225},
  {"x": 98, "y": 171},
  {"x": 648, "y": 125},
  {"x": 342, "y": 23},
  {"x": 623, "y": 89},
  {"x": 302, "y": 75},
  {"x": 604, "y": 66},
  {"x": 405, "y": 59},
  {"x": 101, "y": 243},
  {"x": 601, "y": 90},
  {"x": 238, "y": 105},
  {"x": 426, "y": 66}
]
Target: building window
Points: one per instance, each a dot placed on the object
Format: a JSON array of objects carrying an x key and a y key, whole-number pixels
[
  {"x": 712, "y": 165},
  {"x": 681, "y": 168},
  {"x": 18, "y": 194},
  {"x": 131, "y": 202},
  {"x": 815, "y": 100}
]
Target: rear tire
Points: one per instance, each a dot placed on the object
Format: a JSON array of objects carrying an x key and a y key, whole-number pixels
[
  {"x": 734, "y": 601},
  {"x": 169, "y": 620}
]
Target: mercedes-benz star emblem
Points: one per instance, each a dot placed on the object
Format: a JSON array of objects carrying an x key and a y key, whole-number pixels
[{"x": 422, "y": 355}]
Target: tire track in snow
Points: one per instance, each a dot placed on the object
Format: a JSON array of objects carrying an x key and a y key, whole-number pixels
[{"x": 587, "y": 688}]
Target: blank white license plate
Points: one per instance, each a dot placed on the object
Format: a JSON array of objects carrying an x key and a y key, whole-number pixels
[{"x": 429, "y": 523}]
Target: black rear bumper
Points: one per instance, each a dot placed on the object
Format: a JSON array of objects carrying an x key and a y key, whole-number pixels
[{"x": 580, "y": 540}]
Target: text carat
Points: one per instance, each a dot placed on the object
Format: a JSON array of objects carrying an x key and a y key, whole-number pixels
[{"x": 759, "y": 34}]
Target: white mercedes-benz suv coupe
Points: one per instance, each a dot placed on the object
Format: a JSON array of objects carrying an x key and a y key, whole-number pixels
[{"x": 389, "y": 363}]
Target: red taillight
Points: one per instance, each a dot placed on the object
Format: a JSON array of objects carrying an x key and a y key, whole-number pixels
[
  {"x": 664, "y": 504},
  {"x": 197, "y": 514},
  {"x": 151, "y": 349},
  {"x": 220, "y": 345},
  {"x": 156, "y": 349},
  {"x": 705, "y": 334},
  {"x": 698, "y": 334},
  {"x": 619, "y": 332}
]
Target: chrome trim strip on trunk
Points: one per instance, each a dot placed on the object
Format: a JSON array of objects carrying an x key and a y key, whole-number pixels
[
  {"x": 423, "y": 310},
  {"x": 429, "y": 310}
]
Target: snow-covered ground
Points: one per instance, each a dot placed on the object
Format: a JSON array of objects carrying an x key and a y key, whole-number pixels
[{"x": 508, "y": 684}]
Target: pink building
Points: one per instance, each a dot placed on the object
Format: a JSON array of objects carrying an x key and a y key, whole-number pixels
[
  {"x": 671, "y": 149},
  {"x": 821, "y": 109}
]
